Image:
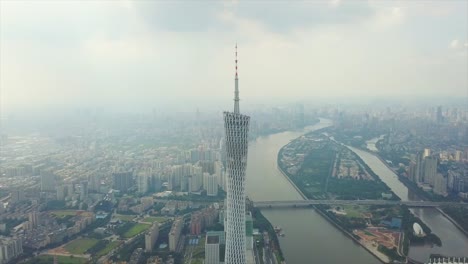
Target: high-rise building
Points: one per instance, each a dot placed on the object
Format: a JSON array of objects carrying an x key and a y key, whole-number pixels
[
  {"x": 430, "y": 170},
  {"x": 196, "y": 179},
  {"x": 440, "y": 184},
  {"x": 236, "y": 127},
  {"x": 412, "y": 171},
  {"x": 10, "y": 248},
  {"x": 455, "y": 182},
  {"x": 419, "y": 170},
  {"x": 439, "y": 116},
  {"x": 156, "y": 182},
  {"x": 219, "y": 171},
  {"x": 210, "y": 184},
  {"x": 426, "y": 153},
  {"x": 17, "y": 195},
  {"x": 174, "y": 234},
  {"x": 122, "y": 181},
  {"x": 48, "y": 181},
  {"x": 61, "y": 191},
  {"x": 151, "y": 236},
  {"x": 212, "y": 249},
  {"x": 33, "y": 219},
  {"x": 84, "y": 190},
  {"x": 179, "y": 176},
  {"x": 70, "y": 189},
  {"x": 94, "y": 183},
  {"x": 143, "y": 182},
  {"x": 249, "y": 231},
  {"x": 196, "y": 224}
]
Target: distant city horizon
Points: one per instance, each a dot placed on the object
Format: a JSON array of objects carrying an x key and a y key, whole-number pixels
[
  {"x": 124, "y": 136},
  {"x": 218, "y": 104},
  {"x": 139, "y": 52}
]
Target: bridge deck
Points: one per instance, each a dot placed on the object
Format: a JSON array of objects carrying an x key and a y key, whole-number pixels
[{"x": 305, "y": 203}]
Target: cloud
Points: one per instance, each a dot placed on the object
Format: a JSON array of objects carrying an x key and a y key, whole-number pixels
[
  {"x": 180, "y": 16},
  {"x": 386, "y": 17},
  {"x": 335, "y": 3},
  {"x": 276, "y": 16},
  {"x": 157, "y": 51},
  {"x": 454, "y": 44},
  {"x": 285, "y": 16}
]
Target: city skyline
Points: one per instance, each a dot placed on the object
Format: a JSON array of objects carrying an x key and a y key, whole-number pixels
[
  {"x": 134, "y": 53},
  {"x": 123, "y": 140}
]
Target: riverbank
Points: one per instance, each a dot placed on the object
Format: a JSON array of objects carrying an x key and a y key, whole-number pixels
[
  {"x": 262, "y": 223},
  {"x": 380, "y": 256},
  {"x": 309, "y": 238},
  {"x": 291, "y": 182},
  {"x": 367, "y": 242},
  {"x": 455, "y": 223},
  {"x": 416, "y": 191},
  {"x": 377, "y": 254},
  {"x": 412, "y": 188}
]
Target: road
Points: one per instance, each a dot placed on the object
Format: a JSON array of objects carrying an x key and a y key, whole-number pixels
[{"x": 306, "y": 203}]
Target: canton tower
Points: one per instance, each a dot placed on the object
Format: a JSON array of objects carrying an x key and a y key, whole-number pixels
[{"x": 236, "y": 127}]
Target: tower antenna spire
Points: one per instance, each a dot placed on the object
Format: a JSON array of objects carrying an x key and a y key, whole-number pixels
[{"x": 236, "y": 91}]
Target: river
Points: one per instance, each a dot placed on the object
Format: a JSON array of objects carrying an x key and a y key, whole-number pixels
[
  {"x": 454, "y": 242},
  {"x": 371, "y": 143},
  {"x": 309, "y": 237}
]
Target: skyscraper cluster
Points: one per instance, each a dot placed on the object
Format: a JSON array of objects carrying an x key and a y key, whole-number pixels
[{"x": 424, "y": 172}]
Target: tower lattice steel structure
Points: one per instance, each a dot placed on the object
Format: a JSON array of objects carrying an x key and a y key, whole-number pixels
[{"x": 236, "y": 128}]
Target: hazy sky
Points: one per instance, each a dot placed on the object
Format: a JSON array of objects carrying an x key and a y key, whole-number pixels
[{"x": 160, "y": 52}]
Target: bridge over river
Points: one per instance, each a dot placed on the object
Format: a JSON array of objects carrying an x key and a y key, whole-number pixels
[{"x": 307, "y": 203}]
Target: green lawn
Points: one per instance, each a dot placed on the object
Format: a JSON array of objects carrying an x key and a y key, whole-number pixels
[
  {"x": 48, "y": 259},
  {"x": 136, "y": 229},
  {"x": 108, "y": 248},
  {"x": 368, "y": 233},
  {"x": 152, "y": 219},
  {"x": 81, "y": 245},
  {"x": 354, "y": 211},
  {"x": 126, "y": 218}
]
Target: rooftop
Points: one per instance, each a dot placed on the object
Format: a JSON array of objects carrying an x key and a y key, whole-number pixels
[{"x": 212, "y": 239}]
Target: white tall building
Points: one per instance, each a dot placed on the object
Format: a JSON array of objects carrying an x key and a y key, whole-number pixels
[
  {"x": 179, "y": 172},
  {"x": 143, "y": 181},
  {"x": 236, "y": 128},
  {"x": 48, "y": 181},
  {"x": 174, "y": 234},
  {"x": 10, "y": 247},
  {"x": 33, "y": 218},
  {"x": 219, "y": 171},
  {"x": 440, "y": 185},
  {"x": 430, "y": 170},
  {"x": 212, "y": 250},
  {"x": 196, "y": 179},
  {"x": 84, "y": 190},
  {"x": 151, "y": 236},
  {"x": 427, "y": 152},
  {"x": 210, "y": 182},
  {"x": 94, "y": 183}
]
